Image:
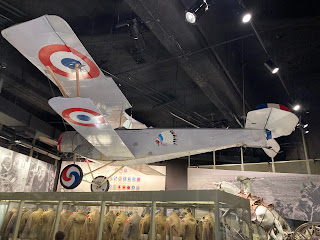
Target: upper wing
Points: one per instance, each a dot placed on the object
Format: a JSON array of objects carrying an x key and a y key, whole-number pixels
[
  {"x": 50, "y": 41},
  {"x": 86, "y": 118}
]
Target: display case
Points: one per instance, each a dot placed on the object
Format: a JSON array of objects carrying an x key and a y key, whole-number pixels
[{"x": 213, "y": 213}]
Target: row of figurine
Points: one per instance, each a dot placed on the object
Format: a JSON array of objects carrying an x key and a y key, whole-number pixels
[{"x": 38, "y": 225}]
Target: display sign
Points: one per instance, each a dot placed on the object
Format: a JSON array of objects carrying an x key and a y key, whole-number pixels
[
  {"x": 21, "y": 173},
  {"x": 295, "y": 196}
]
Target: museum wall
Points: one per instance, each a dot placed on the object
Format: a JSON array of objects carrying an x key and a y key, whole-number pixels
[
  {"x": 21, "y": 173},
  {"x": 126, "y": 179},
  {"x": 295, "y": 196},
  {"x": 293, "y": 166}
]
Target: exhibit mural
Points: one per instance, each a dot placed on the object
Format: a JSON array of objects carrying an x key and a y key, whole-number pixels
[
  {"x": 21, "y": 173},
  {"x": 294, "y": 196}
]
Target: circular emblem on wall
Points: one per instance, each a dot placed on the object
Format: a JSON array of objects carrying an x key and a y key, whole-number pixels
[
  {"x": 71, "y": 176},
  {"x": 62, "y": 59},
  {"x": 83, "y": 117}
]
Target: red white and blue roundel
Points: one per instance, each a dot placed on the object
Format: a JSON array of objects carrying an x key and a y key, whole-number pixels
[
  {"x": 83, "y": 117},
  {"x": 71, "y": 176},
  {"x": 272, "y": 105},
  {"x": 62, "y": 59}
]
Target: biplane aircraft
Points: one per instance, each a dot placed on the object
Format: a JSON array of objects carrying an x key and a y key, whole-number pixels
[{"x": 95, "y": 107}]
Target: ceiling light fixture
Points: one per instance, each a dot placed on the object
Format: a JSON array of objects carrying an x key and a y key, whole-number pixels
[
  {"x": 246, "y": 17},
  {"x": 271, "y": 66},
  {"x": 197, "y": 10},
  {"x": 296, "y": 107}
]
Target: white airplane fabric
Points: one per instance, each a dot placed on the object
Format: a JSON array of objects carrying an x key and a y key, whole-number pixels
[
  {"x": 273, "y": 148},
  {"x": 87, "y": 119},
  {"x": 50, "y": 41},
  {"x": 279, "y": 122}
]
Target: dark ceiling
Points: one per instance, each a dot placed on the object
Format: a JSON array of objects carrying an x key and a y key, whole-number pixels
[{"x": 209, "y": 74}]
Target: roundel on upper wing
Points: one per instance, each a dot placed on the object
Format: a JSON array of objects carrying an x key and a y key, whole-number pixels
[
  {"x": 83, "y": 117},
  {"x": 62, "y": 59}
]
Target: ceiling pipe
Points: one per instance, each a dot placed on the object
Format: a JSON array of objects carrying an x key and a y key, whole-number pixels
[{"x": 11, "y": 139}]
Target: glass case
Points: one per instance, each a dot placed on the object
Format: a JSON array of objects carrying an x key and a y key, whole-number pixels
[{"x": 160, "y": 215}]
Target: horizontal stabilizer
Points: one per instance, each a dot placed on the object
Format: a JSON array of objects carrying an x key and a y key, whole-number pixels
[
  {"x": 87, "y": 119},
  {"x": 278, "y": 122}
]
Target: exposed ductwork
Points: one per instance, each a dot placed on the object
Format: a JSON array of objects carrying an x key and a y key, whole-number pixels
[
  {"x": 13, "y": 116},
  {"x": 179, "y": 39},
  {"x": 6, "y": 136}
]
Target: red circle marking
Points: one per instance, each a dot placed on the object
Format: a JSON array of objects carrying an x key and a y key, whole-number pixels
[
  {"x": 66, "y": 115},
  {"x": 64, "y": 175},
  {"x": 47, "y": 51},
  {"x": 59, "y": 142}
]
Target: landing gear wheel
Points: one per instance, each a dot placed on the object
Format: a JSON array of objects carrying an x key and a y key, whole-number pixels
[
  {"x": 96, "y": 187},
  {"x": 71, "y": 176},
  {"x": 306, "y": 231}
]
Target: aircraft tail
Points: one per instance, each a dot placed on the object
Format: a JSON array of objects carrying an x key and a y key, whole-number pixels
[{"x": 276, "y": 119}]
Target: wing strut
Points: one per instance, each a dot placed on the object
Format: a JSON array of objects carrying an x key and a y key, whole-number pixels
[{"x": 56, "y": 81}]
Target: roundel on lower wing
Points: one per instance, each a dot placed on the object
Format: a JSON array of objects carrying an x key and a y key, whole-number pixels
[
  {"x": 83, "y": 117},
  {"x": 62, "y": 59},
  {"x": 71, "y": 176}
]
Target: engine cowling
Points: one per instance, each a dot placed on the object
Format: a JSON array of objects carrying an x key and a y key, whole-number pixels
[
  {"x": 72, "y": 141},
  {"x": 69, "y": 141}
]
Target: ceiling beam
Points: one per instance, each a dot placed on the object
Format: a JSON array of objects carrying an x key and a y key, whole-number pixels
[
  {"x": 179, "y": 39},
  {"x": 13, "y": 116}
]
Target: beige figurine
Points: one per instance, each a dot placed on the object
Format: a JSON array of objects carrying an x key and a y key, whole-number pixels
[
  {"x": 208, "y": 231},
  {"x": 46, "y": 223},
  {"x": 145, "y": 225},
  {"x": 74, "y": 225},
  {"x": 90, "y": 227},
  {"x": 64, "y": 215},
  {"x": 160, "y": 220},
  {"x": 108, "y": 222},
  {"x": 189, "y": 228},
  {"x": 5, "y": 222},
  {"x": 117, "y": 229},
  {"x": 173, "y": 227},
  {"x": 31, "y": 229},
  {"x": 23, "y": 221},
  {"x": 131, "y": 228},
  {"x": 10, "y": 227}
]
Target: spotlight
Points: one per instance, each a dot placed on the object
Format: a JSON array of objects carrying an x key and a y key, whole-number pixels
[
  {"x": 306, "y": 132},
  {"x": 296, "y": 107},
  {"x": 191, "y": 17},
  {"x": 246, "y": 17},
  {"x": 305, "y": 125},
  {"x": 271, "y": 66},
  {"x": 197, "y": 10},
  {"x": 17, "y": 141}
]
